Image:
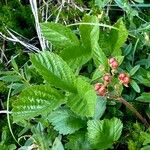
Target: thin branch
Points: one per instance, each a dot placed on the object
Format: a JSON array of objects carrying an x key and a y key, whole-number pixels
[{"x": 131, "y": 107}]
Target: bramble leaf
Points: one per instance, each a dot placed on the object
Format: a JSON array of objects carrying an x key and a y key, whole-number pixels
[
  {"x": 65, "y": 121},
  {"x": 78, "y": 141},
  {"x": 36, "y": 100},
  {"x": 59, "y": 35},
  {"x": 100, "y": 107},
  {"x": 84, "y": 102},
  {"x": 118, "y": 37},
  {"x": 85, "y": 30},
  {"x": 54, "y": 70},
  {"x": 99, "y": 131},
  {"x": 76, "y": 56}
]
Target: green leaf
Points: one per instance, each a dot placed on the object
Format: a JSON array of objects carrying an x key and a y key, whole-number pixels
[
  {"x": 100, "y": 107},
  {"x": 147, "y": 147},
  {"x": 76, "y": 56},
  {"x": 14, "y": 64},
  {"x": 98, "y": 73},
  {"x": 90, "y": 37},
  {"x": 85, "y": 30},
  {"x": 57, "y": 145},
  {"x": 99, "y": 56},
  {"x": 118, "y": 37},
  {"x": 36, "y": 100},
  {"x": 134, "y": 70},
  {"x": 102, "y": 134},
  {"x": 65, "y": 121},
  {"x": 101, "y": 3},
  {"x": 119, "y": 59},
  {"x": 59, "y": 35},
  {"x": 146, "y": 137},
  {"x": 135, "y": 86},
  {"x": 78, "y": 141},
  {"x": 145, "y": 97},
  {"x": 10, "y": 78},
  {"x": 84, "y": 102},
  {"x": 54, "y": 70},
  {"x": 139, "y": 1}
]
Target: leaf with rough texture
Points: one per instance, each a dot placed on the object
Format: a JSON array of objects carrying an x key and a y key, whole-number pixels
[
  {"x": 85, "y": 30},
  {"x": 76, "y": 56},
  {"x": 102, "y": 134},
  {"x": 145, "y": 97},
  {"x": 65, "y": 121},
  {"x": 99, "y": 57},
  {"x": 78, "y": 141},
  {"x": 100, "y": 107},
  {"x": 36, "y": 100},
  {"x": 57, "y": 145},
  {"x": 54, "y": 70},
  {"x": 84, "y": 102},
  {"x": 59, "y": 35},
  {"x": 118, "y": 37}
]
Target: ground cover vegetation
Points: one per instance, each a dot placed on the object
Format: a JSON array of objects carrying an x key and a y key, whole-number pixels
[{"x": 74, "y": 74}]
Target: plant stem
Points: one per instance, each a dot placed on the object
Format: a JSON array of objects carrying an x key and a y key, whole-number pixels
[
  {"x": 5, "y": 112},
  {"x": 129, "y": 106}
]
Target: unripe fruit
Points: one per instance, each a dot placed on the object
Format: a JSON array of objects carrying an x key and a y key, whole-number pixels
[
  {"x": 107, "y": 77},
  {"x": 111, "y": 60},
  {"x": 102, "y": 91},
  {"x": 97, "y": 86},
  {"x": 126, "y": 80},
  {"x": 121, "y": 76},
  {"x": 114, "y": 65}
]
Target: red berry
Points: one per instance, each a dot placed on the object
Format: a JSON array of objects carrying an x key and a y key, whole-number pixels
[
  {"x": 121, "y": 76},
  {"x": 114, "y": 65},
  {"x": 102, "y": 91},
  {"x": 126, "y": 80},
  {"x": 107, "y": 78},
  {"x": 111, "y": 60},
  {"x": 97, "y": 86}
]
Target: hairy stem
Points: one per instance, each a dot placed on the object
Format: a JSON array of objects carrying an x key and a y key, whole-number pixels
[{"x": 129, "y": 106}]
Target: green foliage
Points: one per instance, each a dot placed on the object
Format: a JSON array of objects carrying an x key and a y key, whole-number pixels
[
  {"x": 135, "y": 86},
  {"x": 76, "y": 56},
  {"x": 100, "y": 107},
  {"x": 36, "y": 100},
  {"x": 134, "y": 70},
  {"x": 84, "y": 103},
  {"x": 111, "y": 43},
  {"x": 54, "y": 70},
  {"x": 78, "y": 141},
  {"x": 59, "y": 35},
  {"x": 55, "y": 102},
  {"x": 86, "y": 30},
  {"x": 99, "y": 131},
  {"x": 145, "y": 97},
  {"x": 118, "y": 37},
  {"x": 65, "y": 121}
]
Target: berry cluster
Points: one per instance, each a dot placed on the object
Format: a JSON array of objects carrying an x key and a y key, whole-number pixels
[{"x": 124, "y": 78}]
